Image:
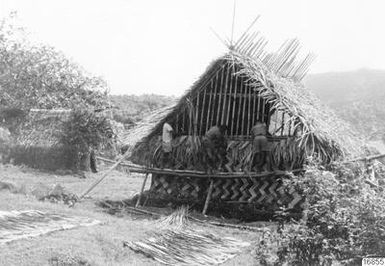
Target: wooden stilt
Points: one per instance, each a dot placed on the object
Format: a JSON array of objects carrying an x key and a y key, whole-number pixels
[
  {"x": 141, "y": 191},
  {"x": 208, "y": 196}
]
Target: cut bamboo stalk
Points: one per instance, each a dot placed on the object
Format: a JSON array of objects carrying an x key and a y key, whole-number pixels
[
  {"x": 208, "y": 196},
  {"x": 141, "y": 191}
]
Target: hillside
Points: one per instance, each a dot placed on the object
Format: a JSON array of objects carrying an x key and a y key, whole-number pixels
[
  {"x": 128, "y": 109},
  {"x": 357, "y": 96}
]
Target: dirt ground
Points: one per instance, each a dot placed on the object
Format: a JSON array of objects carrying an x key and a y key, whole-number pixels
[{"x": 100, "y": 244}]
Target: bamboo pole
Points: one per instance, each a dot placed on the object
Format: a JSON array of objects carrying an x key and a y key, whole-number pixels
[
  {"x": 208, "y": 196},
  {"x": 249, "y": 109},
  {"x": 239, "y": 107},
  {"x": 283, "y": 123},
  {"x": 244, "y": 108},
  {"x": 226, "y": 96},
  {"x": 141, "y": 191},
  {"x": 259, "y": 104},
  {"x": 105, "y": 174},
  {"x": 254, "y": 102},
  {"x": 198, "y": 174},
  {"x": 263, "y": 109},
  {"x": 209, "y": 108},
  {"x": 221, "y": 87},
  {"x": 234, "y": 99},
  {"x": 196, "y": 118},
  {"x": 214, "y": 100},
  {"x": 202, "y": 112}
]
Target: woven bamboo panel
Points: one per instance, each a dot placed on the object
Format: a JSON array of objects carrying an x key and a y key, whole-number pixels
[{"x": 266, "y": 191}]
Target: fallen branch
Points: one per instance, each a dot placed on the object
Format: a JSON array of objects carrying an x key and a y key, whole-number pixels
[{"x": 369, "y": 158}]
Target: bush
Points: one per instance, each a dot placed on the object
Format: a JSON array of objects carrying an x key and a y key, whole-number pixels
[
  {"x": 343, "y": 220},
  {"x": 85, "y": 131}
]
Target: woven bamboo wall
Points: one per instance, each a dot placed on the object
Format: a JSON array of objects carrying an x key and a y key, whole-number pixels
[{"x": 266, "y": 192}]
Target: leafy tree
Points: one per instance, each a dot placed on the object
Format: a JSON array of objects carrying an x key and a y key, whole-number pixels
[{"x": 39, "y": 76}]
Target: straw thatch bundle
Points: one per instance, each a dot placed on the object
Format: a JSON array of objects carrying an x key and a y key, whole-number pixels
[{"x": 176, "y": 243}]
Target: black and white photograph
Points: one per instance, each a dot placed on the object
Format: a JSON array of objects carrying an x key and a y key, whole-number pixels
[{"x": 217, "y": 132}]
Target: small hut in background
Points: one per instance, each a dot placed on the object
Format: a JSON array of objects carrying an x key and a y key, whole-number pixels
[
  {"x": 37, "y": 142},
  {"x": 238, "y": 89}
]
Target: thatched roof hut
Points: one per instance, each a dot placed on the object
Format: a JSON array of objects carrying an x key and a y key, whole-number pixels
[
  {"x": 244, "y": 86},
  {"x": 237, "y": 90}
]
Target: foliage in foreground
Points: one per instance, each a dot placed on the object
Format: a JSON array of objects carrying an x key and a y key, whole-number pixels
[{"x": 343, "y": 221}]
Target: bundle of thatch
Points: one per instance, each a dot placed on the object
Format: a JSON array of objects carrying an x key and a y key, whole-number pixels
[{"x": 176, "y": 243}]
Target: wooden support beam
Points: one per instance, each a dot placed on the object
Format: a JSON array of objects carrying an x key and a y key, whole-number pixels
[
  {"x": 198, "y": 174},
  {"x": 141, "y": 191},
  {"x": 208, "y": 197}
]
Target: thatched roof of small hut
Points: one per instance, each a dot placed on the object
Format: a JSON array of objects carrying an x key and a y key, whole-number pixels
[
  {"x": 43, "y": 127},
  {"x": 277, "y": 79}
]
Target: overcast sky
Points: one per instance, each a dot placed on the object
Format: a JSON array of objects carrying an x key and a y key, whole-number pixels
[{"x": 143, "y": 46}]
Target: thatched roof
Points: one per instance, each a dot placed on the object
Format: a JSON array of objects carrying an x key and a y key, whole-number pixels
[
  {"x": 321, "y": 128},
  {"x": 43, "y": 127}
]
